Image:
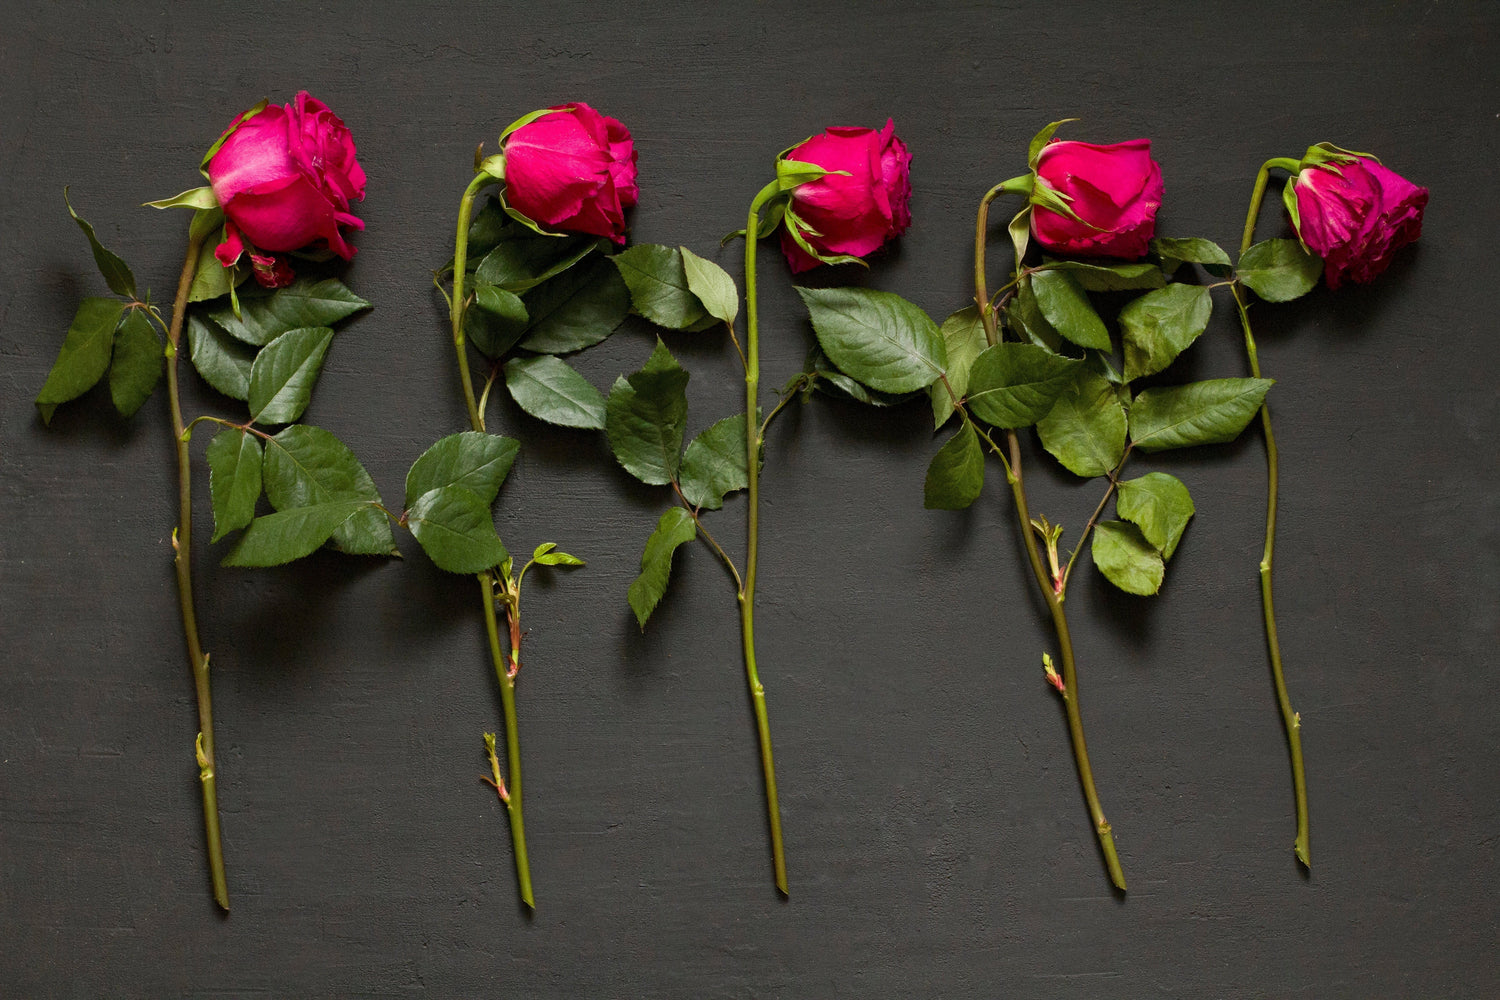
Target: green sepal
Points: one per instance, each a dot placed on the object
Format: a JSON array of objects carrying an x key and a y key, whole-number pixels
[
  {"x": 1040, "y": 140},
  {"x": 673, "y": 529},
  {"x": 117, "y": 274},
  {"x": 524, "y": 120},
  {"x": 219, "y": 142},
  {"x": 791, "y": 173},
  {"x": 196, "y": 198},
  {"x": 1289, "y": 199}
]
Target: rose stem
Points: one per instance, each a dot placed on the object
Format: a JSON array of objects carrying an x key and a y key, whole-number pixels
[
  {"x": 1054, "y": 600},
  {"x": 182, "y": 539},
  {"x": 486, "y": 580},
  {"x": 1289, "y": 718},
  {"x": 753, "y": 438}
]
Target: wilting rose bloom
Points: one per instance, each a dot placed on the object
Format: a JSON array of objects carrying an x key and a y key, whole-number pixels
[
  {"x": 285, "y": 178},
  {"x": 1114, "y": 189},
  {"x": 1356, "y": 215},
  {"x": 573, "y": 170},
  {"x": 850, "y": 215}
]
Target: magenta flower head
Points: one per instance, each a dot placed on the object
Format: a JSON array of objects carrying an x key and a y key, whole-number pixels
[
  {"x": 1353, "y": 212},
  {"x": 1096, "y": 201},
  {"x": 570, "y": 168},
  {"x": 852, "y": 210},
  {"x": 284, "y": 176}
]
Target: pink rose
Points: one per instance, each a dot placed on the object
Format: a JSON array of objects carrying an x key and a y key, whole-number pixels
[
  {"x": 1114, "y": 190},
  {"x": 572, "y": 169},
  {"x": 284, "y": 178},
  {"x": 851, "y": 213},
  {"x": 1356, "y": 215}
]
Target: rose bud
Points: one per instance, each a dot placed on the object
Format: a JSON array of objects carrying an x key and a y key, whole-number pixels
[
  {"x": 284, "y": 178},
  {"x": 1353, "y": 212},
  {"x": 854, "y": 211},
  {"x": 1096, "y": 201},
  {"x": 572, "y": 169}
]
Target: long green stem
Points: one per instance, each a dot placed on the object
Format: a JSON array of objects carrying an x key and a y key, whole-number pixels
[
  {"x": 1102, "y": 829},
  {"x": 1290, "y": 719},
  {"x": 182, "y": 541},
  {"x": 752, "y": 518},
  {"x": 487, "y": 581}
]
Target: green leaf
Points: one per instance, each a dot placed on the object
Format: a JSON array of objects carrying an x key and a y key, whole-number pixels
[
  {"x": 831, "y": 381},
  {"x": 1066, "y": 307},
  {"x": 222, "y": 361},
  {"x": 577, "y": 309},
  {"x": 495, "y": 320},
  {"x": 489, "y": 227},
  {"x": 1194, "y": 250},
  {"x": 1160, "y": 325},
  {"x": 115, "y": 271},
  {"x": 212, "y": 279},
  {"x": 963, "y": 339},
  {"x": 473, "y": 460},
  {"x": 198, "y": 198},
  {"x": 307, "y": 466},
  {"x": 1109, "y": 277},
  {"x": 1025, "y": 318},
  {"x": 714, "y": 464},
  {"x": 1015, "y": 385},
  {"x": 876, "y": 337},
  {"x": 84, "y": 354},
  {"x": 645, "y": 417},
  {"x": 659, "y": 290},
  {"x": 1210, "y": 412},
  {"x": 1126, "y": 559},
  {"x": 456, "y": 530},
  {"x": 1085, "y": 429},
  {"x": 522, "y": 259},
  {"x": 673, "y": 529},
  {"x": 956, "y": 474},
  {"x": 136, "y": 364},
  {"x": 266, "y": 315},
  {"x": 234, "y": 483},
  {"x": 1159, "y": 505},
  {"x": 1020, "y": 233},
  {"x": 1279, "y": 270},
  {"x": 283, "y": 374},
  {"x": 279, "y": 538},
  {"x": 549, "y": 389},
  {"x": 712, "y": 285}
]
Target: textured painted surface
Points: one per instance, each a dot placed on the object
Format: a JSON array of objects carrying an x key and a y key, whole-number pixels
[{"x": 937, "y": 841}]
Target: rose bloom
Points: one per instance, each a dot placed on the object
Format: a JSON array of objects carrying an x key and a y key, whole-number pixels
[
  {"x": 854, "y": 214},
  {"x": 574, "y": 170},
  {"x": 285, "y": 178},
  {"x": 1356, "y": 216},
  {"x": 1115, "y": 190}
]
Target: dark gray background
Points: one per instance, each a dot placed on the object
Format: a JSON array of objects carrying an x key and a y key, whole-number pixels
[{"x": 938, "y": 842}]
